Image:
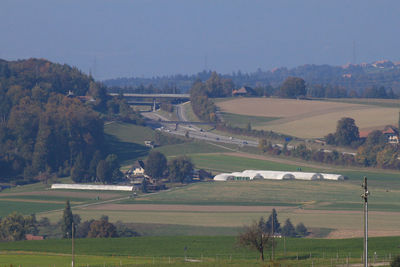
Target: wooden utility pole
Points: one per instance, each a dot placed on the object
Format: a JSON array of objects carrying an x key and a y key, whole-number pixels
[
  {"x": 73, "y": 252},
  {"x": 364, "y": 196},
  {"x": 273, "y": 236}
]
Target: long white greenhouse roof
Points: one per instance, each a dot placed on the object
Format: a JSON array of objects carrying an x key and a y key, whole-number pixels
[
  {"x": 276, "y": 175},
  {"x": 92, "y": 187}
]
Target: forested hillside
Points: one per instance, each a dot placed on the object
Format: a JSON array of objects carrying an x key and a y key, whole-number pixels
[
  {"x": 44, "y": 130},
  {"x": 354, "y": 79}
]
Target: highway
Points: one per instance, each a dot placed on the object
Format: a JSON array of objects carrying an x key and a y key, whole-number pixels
[{"x": 160, "y": 123}]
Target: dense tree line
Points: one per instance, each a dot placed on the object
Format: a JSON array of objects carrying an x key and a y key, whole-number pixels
[
  {"x": 202, "y": 105},
  {"x": 146, "y": 89},
  {"x": 43, "y": 131},
  {"x": 179, "y": 169},
  {"x": 374, "y": 151},
  {"x": 15, "y": 227},
  {"x": 351, "y": 80}
]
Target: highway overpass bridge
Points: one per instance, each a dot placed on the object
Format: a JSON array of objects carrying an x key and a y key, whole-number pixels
[
  {"x": 157, "y": 96},
  {"x": 137, "y": 99}
]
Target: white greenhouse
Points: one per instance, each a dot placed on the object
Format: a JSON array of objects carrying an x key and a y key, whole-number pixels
[
  {"x": 276, "y": 175},
  {"x": 92, "y": 187}
]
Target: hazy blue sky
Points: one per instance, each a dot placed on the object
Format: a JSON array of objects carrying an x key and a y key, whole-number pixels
[{"x": 144, "y": 38}]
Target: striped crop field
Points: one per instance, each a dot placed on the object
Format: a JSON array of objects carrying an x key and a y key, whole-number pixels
[{"x": 310, "y": 118}]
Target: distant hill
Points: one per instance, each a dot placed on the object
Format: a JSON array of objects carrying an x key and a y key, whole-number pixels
[
  {"x": 352, "y": 77},
  {"x": 42, "y": 130},
  {"x": 58, "y": 78}
]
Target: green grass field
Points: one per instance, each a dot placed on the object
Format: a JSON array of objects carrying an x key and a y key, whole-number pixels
[
  {"x": 127, "y": 141},
  {"x": 7, "y": 207},
  {"x": 189, "y": 112},
  {"x": 227, "y": 163},
  {"x": 214, "y": 251},
  {"x": 307, "y": 194}
]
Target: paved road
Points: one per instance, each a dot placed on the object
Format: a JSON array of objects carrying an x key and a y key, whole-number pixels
[
  {"x": 195, "y": 132},
  {"x": 156, "y": 120}
]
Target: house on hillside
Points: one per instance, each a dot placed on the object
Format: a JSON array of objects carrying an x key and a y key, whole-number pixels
[
  {"x": 82, "y": 98},
  {"x": 33, "y": 237},
  {"x": 244, "y": 91},
  {"x": 149, "y": 143},
  {"x": 390, "y": 132},
  {"x": 137, "y": 169}
]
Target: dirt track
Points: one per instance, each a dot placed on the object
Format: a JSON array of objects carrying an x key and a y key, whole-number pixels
[
  {"x": 71, "y": 194},
  {"x": 341, "y": 234},
  {"x": 37, "y": 201},
  {"x": 188, "y": 208}
]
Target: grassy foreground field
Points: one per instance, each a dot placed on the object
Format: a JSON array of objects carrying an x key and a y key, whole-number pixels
[
  {"x": 211, "y": 251},
  {"x": 127, "y": 142},
  {"x": 309, "y": 118}
]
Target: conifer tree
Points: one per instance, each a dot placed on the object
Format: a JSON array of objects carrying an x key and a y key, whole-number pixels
[{"x": 67, "y": 219}]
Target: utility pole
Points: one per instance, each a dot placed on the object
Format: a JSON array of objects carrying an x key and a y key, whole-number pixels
[
  {"x": 284, "y": 245},
  {"x": 364, "y": 196},
  {"x": 273, "y": 237},
  {"x": 73, "y": 252}
]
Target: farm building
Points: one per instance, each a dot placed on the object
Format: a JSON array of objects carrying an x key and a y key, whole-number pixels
[
  {"x": 92, "y": 187},
  {"x": 276, "y": 175}
]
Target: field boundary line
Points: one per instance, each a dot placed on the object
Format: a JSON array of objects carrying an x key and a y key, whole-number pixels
[
  {"x": 87, "y": 205},
  {"x": 221, "y": 146}
]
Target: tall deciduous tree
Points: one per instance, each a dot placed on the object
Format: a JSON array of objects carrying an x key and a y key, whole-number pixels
[
  {"x": 255, "y": 237},
  {"x": 180, "y": 169},
  {"x": 103, "y": 171},
  {"x": 102, "y": 228},
  {"x": 66, "y": 222},
  {"x": 114, "y": 165},
  {"x": 13, "y": 227},
  {"x": 346, "y": 132},
  {"x": 293, "y": 87},
  {"x": 156, "y": 165}
]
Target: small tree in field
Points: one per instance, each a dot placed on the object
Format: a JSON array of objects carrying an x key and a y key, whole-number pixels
[
  {"x": 301, "y": 229},
  {"x": 288, "y": 229},
  {"x": 254, "y": 237}
]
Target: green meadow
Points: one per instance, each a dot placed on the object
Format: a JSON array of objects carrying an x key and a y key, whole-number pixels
[{"x": 207, "y": 250}]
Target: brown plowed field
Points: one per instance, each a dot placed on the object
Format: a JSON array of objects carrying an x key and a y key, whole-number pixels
[
  {"x": 309, "y": 118},
  {"x": 282, "y": 108}
]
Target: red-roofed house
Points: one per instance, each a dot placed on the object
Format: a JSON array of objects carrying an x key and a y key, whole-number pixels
[
  {"x": 364, "y": 134},
  {"x": 391, "y": 134},
  {"x": 245, "y": 90},
  {"x": 33, "y": 237}
]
